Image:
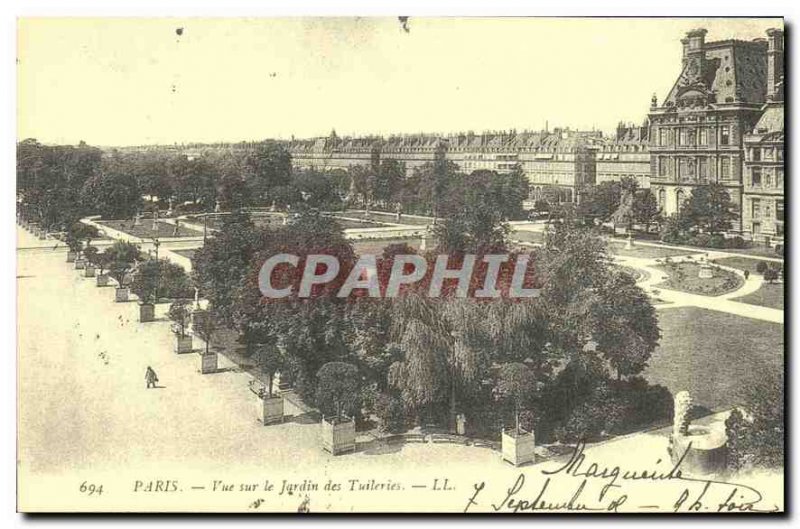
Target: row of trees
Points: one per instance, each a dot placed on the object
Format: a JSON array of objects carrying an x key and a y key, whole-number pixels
[
  {"x": 568, "y": 358},
  {"x": 56, "y": 185}
]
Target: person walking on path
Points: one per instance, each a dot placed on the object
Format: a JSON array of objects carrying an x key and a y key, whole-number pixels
[
  {"x": 746, "y": 275},
  {"x": 151, "y": 377}
]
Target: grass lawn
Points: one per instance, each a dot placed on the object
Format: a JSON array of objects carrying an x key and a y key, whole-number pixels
[
  {"x": 386, "y": 217},
  {"x": 643, "y": 252},
  {"x": 741, "y": 263},
  {"x": 357, "y": 224},
  {"x": 769, "y": 295},
  {"x": 713, "y": 355},
  {"x": 528, "y": 236},
  {"x": 684, "y": 277},
  {"x": 145, "y": 229}
]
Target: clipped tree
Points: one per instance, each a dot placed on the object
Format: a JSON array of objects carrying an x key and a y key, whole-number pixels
[
  {"x": 270, "y": 360},
  {"x": 179, "y": 313},
  {"x": 205, "y": 327},
  {"x": 338, "y": 389},
  {"x": 121, "y": 257},
  {"x": 516, "y": 385}
]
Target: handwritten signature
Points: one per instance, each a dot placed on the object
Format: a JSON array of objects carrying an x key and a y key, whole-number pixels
[{"x": 615, "y": 490}]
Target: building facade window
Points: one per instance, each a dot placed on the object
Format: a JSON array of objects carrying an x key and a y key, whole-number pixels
[
  {"x": 703, "y": 137},
  {"x": 779, "y": 177},
  {"x": 662, "y": 137},
  {"x": 702, "y": 168},
  {"x": 691, "y": 138},
  {"x": 756, "y": 156},
  {"x": 779, "y": 210},
  {"x": 755, "y": 208},
  {"x": 662, "y": 198},
  {"x": 725, "y": 135},
  {"x": 755, "y": 177},
  {"x": 725, "y": 168}
]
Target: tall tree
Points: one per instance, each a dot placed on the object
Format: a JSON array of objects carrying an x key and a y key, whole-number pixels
[{"x": 710, "y": 208}]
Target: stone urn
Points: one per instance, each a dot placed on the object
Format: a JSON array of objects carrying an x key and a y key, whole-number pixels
[
  {"x": 147, "y": 312},
  {"x": 183, "y": 343},
  {"x": 338, "y": 435},
  {"x": 102, "y": 280},
  {"x": 122, "y": 294},
  {"x": 518, "y": 447}
]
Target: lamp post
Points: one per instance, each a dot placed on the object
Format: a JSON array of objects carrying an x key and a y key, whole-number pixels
[
  {"x": 205, "y": 228},
  {"x": 156, "y": 244}
]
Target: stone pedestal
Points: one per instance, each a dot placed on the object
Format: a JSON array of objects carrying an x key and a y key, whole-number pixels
[
  {"x": 88, "y": 270},
  {"x": 208, "y": 363},
  {"x": 338, "y": 435},
  {"x": 629, "y": 243},
  {"x": 703, "y": 450},
  {"x": 183, "y": 344},
  {"x": 122, "y": 294},
  {"x": 147, "y": 312},
  {"x": 518, "y": 447},
  {"x": 270, "y": 410}
]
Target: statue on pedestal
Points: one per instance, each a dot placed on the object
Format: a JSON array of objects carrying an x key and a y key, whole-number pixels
[{"x": 681, "y": 419}]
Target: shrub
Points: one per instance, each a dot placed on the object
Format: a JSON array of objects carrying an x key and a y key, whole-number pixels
[
  {"x": 391, "y": 413},
  {"x": 338, "y": 389},
  {"x": 717, "y": 241},
  {"x": 736, "y": 242},
  {"x": 701, "y": 239},
  {"x": 756, "y": 436},
  {"x": 770, "y": 275},
  {"x": 779, "y": 249},
  {"x": 161, "y": 278},
  {"x": 761, "y": 267}
]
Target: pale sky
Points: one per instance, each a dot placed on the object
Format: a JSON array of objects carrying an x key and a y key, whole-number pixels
[{"x": 136, "y": 81}]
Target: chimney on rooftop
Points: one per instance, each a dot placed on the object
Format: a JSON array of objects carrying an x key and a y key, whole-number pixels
[{"x": 775, "y": 64}]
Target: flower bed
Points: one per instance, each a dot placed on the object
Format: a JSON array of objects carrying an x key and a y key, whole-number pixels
[{"x": 685, "y": 278}]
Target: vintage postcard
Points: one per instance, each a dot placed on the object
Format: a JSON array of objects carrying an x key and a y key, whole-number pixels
[{"x": 400, "y": 265}]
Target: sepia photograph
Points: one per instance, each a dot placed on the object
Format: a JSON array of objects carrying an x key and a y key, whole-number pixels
[{"x": 400, "y": 264}]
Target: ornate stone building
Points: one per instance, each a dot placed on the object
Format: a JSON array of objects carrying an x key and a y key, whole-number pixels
[
  {"x": 763, "y": 186},
  {"x": 627, "y": 155},
  {"x": 697, "y": 133},
  {"x": 562, "y": 160}
]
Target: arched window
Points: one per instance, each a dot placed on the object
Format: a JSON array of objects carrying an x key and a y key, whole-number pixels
[
  {"x": 679, "y": 198},
  {"x": 662, "y": 198}
]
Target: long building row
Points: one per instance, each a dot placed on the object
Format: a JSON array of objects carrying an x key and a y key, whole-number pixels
[{"x": 722, "y": 121}]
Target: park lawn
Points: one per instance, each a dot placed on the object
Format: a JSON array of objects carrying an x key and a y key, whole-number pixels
[
  {"x": 145, "y": 229},
  {"x": 741, "y": 263},
  {"x": 643, "y": 252},
  {"x": 348, "y": 224},
  {"x": 769, "y": 295},
  {"x": 684, "y": 277},
  {"x": 714, "y": 355},
  {"x": 528, "y": 236},
  {"x": 386, "y": 217}
]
